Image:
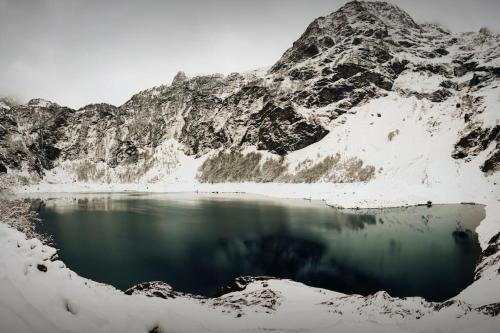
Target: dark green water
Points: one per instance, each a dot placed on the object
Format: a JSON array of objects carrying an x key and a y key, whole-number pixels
[{"x": 198, "y": 243}]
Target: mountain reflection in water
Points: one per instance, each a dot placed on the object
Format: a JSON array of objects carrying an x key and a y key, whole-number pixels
[{"x": 197, "y": 243}]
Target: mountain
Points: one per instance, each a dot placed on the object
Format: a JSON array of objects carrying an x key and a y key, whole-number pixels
[{"x": 366, "y": 94}]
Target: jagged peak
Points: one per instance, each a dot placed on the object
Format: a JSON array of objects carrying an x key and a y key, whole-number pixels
[
  {"x": 360, "y": 17},
  {"x": 361, "y": 20},
  {"x": 97, "y": 106},
  {"x": 40, "y": 102},
  {"x": 179, "y": 78},
  {"x": 387, "y": 13},
  {"x": 7, "y": 102}
]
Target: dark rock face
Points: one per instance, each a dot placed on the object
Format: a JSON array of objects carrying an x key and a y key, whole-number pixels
[
  {"x": 271, "y": 126},
  {"x": 478, "y": 140},
  {"x": 492, "y": 163},
  {"x": 489, "y": 257},
  {"x": 440, "y": 95},
  {"x": 37, "y": 146},
  {"x": 203, "y": 113}
]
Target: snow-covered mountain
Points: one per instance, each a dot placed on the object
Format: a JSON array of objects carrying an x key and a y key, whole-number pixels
[
  {"x": 368, "y": 108},
  {"x": 363, "y": 93}
]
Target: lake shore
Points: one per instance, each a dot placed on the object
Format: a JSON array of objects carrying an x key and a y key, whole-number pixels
[{"x": 247, "y": 309}]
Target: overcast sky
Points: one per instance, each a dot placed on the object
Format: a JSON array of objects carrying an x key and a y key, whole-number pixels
[{"x": 76, "y": 52}]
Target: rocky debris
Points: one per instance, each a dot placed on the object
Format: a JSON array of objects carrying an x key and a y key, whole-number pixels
[
  {"x": 262, "y": 300},
  {"x": 380, "y": 304},
  {"x": 41, "y": 267},
  {"x": 155, "y": 329},
  {"x": 491, "y": 310},
  {"x": 436, "y": 96},
  {"x": 153, "y": 289},
  {"x": 159, "y": 289},
  {"x": 489, "y": 258},
  {"x": 240, "y": 283},
  {"x": 459, "y": 307},
  {"x": 439, "y": 95}
]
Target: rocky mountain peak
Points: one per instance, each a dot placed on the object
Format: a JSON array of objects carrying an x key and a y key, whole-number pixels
[
  {"x": 39, "y": 102},
  {"x": 359, "y": 13},
  {"x": 7, "y": 103},
  {"x": 179, "y": 78},
  {"x": 354, "y": 23}
]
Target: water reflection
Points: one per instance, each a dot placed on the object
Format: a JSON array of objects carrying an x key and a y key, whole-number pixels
[{"x": 198, "y": 243}]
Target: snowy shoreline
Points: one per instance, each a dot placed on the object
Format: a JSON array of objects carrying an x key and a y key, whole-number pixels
[
  {"x": 348, "y": 196},
  {"x": 267, "y": 304}
]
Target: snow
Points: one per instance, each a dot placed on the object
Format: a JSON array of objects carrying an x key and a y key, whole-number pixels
[{"x": 426, "y": 83}]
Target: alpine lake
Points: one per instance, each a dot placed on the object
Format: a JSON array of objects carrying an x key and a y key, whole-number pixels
[{"x": 198, "y": 243}]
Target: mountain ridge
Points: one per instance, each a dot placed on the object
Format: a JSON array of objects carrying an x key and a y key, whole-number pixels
[{"x": 362, "y": 52}]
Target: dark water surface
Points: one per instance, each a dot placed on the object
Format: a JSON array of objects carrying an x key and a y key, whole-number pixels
[{"x": 197, "y": 243}]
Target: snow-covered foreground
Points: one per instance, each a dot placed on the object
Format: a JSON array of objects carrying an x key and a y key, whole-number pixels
[{"x": 39, "y": 294}]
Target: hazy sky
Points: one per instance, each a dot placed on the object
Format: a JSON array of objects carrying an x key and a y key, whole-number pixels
[{"x": 76, "y": 52}]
